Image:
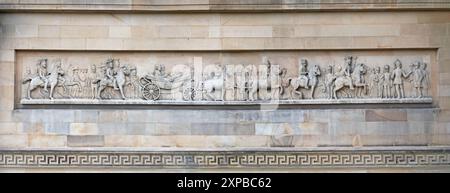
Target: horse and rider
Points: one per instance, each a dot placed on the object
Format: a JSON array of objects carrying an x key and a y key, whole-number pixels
[
  {"x": 48, "y": 79},
  {"x": 45, "y": 79},
  {"x": 307, "y": 79},
  {"x": 352, "y": 76},
  {"x": 112, "y": 78}
]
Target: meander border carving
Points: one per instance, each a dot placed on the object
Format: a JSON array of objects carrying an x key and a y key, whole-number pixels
[{"x": 225, "y": 159}]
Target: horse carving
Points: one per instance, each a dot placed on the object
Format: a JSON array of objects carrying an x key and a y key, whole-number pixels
[
  {"x": 117, "y": 81},
  {"x": 52, "y": 80},
  {"x": 299, "y": 82},
  {"x": 354, "y": 82}
]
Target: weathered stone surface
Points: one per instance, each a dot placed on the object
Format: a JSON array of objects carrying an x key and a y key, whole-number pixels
[
  {"x": 222, "y": 129},
  {"x": 85, "y": 140},
  {"x": 59, "y": 128},
  {"x": 387, "y": 128},
  {"x": 47, "y": 141},
  {"x": 8, "y": 128},
  {"x": 122, "y": 128},
  {"x": 422, "y": 114},
  {"x": 84, "y": 129},
  {"x": 13, "y": 141},
  {"x": 120, "y": 31},
  {"x": 123, "y": 141},
  {"x": 386, "y": 115},
  {"x": 5, "y": 116},
  {"x": 6, "y": 78}
]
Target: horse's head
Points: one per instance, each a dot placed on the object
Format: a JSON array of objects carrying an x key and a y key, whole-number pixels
[
  {"x": 116, "y": 62},
  {"x": 359, "y": 69},
  {"x": 363, "y": 68},
  {"x": 43, "y": 62},
  {"x": 125, "y": 70},
  {"x": 57, "y": 69},
  {"x": 315, "y": 70},
  {"x": 330, "y": 69}
]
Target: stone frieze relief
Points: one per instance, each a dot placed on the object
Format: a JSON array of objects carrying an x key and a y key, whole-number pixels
[{"x": 115, "y": 79}]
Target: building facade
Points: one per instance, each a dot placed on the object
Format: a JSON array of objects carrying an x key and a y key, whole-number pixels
[{"x": 203, "y": 85}]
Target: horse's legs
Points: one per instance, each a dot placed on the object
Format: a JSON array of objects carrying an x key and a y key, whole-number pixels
[
  {"x": 93, "y": 91},
  {"x": 335, "y": 91},
  {"x": 208, "y": 94},
  {"x": 52, "y": 86},
  {"x": 313, "y": 87},
  {"x": 121, "y": 92},
  {"x": 223, "y": 93},
  {"x": 300, "y": 94},
  {"x": 293, "y": 92},
  {"x": 30, "y": 88},
  {"x": 99, "y": 90},
  {"x": 331, "y": 93}
]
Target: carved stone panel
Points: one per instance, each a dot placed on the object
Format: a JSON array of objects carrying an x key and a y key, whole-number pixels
[{"x": 247, "y": 77}]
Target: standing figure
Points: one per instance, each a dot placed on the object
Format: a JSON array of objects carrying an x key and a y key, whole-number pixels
[
  {"x": 359, "y": 80},
  {"x": 329, "y": 82},
  {"x": 397, "y": 75},
  {"x": 418, "y": 77},
  {"x": 240, "y": 75},
  {"x": 284, "y": 81},
  {"x": 252, "y": 83},
  {"x": 377, "y": 81},
  {"x": 134, "y": 82},
  {"x": 275, "y": 82},
  {"x": 93, "y": 80},
  {"x": 230, "y": 82},
  {"x": 386, "y": 81},
  {"x": 426, "y": 78},
  {"x": 43, "y": 72},
  {"x": 262, "y": 86},
  {"x": 76, "y": 80}
]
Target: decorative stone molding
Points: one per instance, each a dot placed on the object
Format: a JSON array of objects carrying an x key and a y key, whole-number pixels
[
  {"x": 226, "y": 159},
  {"x": 222, "y": 5}
]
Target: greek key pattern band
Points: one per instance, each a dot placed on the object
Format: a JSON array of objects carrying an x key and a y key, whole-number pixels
[{"x": 227, "y": 159}]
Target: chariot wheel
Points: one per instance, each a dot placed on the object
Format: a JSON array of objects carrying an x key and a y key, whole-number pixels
[
  {"x": 188, "y": 94},
  {"x": 151, "y": 92}
]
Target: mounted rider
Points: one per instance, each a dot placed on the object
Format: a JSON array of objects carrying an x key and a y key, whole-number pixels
[
  {"x": 110, "y": 74},
  {"x": 43, "y": 72},
  {"x": 303, "y": 72},
  {"x": 60, "y": 72},
  {"x": 348, "y": 70}
]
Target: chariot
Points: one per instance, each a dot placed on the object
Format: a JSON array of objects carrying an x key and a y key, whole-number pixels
[{"x": 153, "y": 86}]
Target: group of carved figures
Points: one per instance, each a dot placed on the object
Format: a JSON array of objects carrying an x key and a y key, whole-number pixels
[
  {"x": 386, "y": 84},
  {"x": 247, "y": 84},
  {"x": 96, "y": 83}
]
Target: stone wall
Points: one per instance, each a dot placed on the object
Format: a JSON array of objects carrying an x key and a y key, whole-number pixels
[{"x": 205, "y": 128}]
